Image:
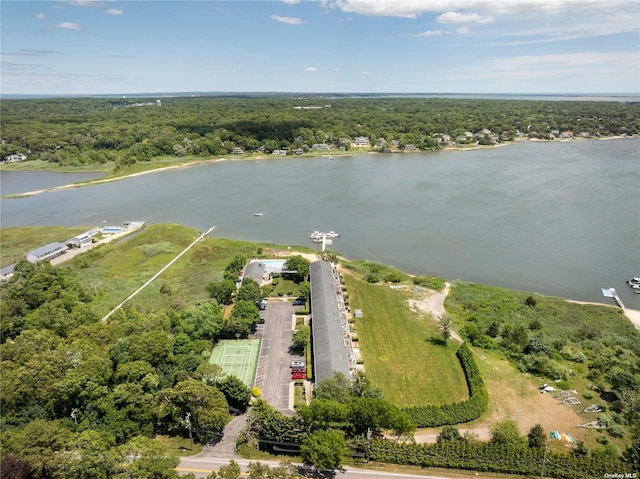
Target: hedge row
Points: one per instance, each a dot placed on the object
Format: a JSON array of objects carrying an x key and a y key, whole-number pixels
[
  {"x": 456, "y": 413},
  {"x": 481, "y": 456}
]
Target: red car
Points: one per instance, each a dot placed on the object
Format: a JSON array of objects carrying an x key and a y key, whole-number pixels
[
  {"x": 299, "y": 375},
  {"x": 298, "y": 370}
]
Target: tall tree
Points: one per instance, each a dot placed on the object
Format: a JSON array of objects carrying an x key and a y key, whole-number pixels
[
  {"x": 536, "y": 437},
  {"x": 300, "y": 265},
  {"x": 324, "y": 449}
]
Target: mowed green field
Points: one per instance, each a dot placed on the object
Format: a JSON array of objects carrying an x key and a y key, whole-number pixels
[{"x": 402, "y": 349}]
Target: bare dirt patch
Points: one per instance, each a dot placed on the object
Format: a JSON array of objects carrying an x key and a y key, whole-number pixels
[{"x": 514, "y": 396}]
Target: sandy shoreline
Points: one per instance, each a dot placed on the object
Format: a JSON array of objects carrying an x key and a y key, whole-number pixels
[{"x": 257, "y": 158}]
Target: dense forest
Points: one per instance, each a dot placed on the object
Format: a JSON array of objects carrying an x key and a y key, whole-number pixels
[{"x": 75, "y": 132}]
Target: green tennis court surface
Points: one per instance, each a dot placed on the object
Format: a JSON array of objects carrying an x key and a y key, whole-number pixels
[{"x": 237, "y": 357}]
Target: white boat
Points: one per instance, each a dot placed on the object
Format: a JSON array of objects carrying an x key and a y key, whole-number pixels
[
  {"x": 318, "y": 236},
  {"x": 257, "y": 214}
]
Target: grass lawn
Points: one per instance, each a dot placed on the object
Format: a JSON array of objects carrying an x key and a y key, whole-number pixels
[
  {"x": 180, "y": 446},
  {"x": 402, "y": 349}
]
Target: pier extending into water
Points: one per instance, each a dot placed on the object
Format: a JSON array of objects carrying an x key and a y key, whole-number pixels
[{"x": 612, "y": 293}]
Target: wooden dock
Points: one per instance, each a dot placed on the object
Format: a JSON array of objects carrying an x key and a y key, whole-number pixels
[{"x": 612, "y": 293}]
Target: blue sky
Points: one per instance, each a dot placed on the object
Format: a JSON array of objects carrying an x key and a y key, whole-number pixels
[{"x": 404, "y": 46}]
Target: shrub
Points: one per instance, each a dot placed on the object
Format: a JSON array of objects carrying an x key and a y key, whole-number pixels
[
  {"x": 372, "y": 278},
  {"x": 615, "y": 430}
]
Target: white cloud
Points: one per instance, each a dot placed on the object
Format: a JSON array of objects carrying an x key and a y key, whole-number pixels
[
  {"x": 364, "y": 73},
  {"x": 81, "y": 3},
  {"x": 68, "y": 26},
  {"x": 414, "y": 8},
  {"x": 291, "y": 2},
  {"x": 289, "y": 20},
  {"x": 113, "y": 11},
  {"x": 431, "y": 33},
  {"x": 311, "y": 69},
  {"x": 565, "y": 59},
  {"x": 455, "y": 17},
  {"x": 40, "y": 16},
  {"x": 464, "y": 30}
]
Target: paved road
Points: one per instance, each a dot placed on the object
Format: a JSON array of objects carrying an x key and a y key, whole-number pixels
[{"x": 201, "y": 467}]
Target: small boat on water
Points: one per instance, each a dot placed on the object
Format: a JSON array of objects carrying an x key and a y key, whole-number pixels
[{"x": 257, "y": 214}]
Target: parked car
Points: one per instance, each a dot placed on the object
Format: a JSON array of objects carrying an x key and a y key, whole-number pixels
[
  {"x": 299, "y": 376},
  {"x": 297, "y": 364},
  {"x": 262, "y": 305},
  {"x": 300, "y": 302},
  {"x": 298, "y": 370}
]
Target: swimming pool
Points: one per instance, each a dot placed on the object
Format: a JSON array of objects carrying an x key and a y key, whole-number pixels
[
  {"x": 111, "y": 229},
  {"x": 271, "y": 265}
]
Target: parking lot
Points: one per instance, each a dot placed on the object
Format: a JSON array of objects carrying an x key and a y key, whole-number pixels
[{"x": 273, "y": 375}]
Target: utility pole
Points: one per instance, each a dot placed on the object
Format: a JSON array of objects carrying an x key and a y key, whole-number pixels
[
  {"x": 188, "y": 421},
  {"x": 544, "y": 459}
]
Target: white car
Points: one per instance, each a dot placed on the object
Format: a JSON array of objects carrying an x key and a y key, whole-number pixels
[{"x": 297, "y": 364}]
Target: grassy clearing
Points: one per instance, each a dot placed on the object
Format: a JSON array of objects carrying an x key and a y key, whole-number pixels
[
  {"x": 402, "y": 350},
  {"x": 180, "y": 446},
  {"x": 15, "y": 242},
  {"x": 112, "y": 272}
]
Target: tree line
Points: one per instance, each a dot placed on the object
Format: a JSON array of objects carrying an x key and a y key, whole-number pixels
[
  {"x": 76, "y": 132},
  {"x": 84, "y": 398}
]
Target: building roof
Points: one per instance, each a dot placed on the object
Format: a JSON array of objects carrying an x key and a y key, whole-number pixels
[
  {"x": 7, "y": 270},
  {"x": 45, "y": 251},
  {"x": 329, "y": 351},
  {"x": 255, "y": 271}
]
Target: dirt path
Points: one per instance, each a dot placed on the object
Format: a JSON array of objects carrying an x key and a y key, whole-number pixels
[{"x": 432, "y": 303}]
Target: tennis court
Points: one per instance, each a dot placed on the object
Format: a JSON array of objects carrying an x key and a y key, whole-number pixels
[{"x": 237, "y": 357}]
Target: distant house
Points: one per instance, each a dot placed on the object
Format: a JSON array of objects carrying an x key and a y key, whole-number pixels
[
  {"x": 17, "y": 157},
  {"x": 409, "y": 147},
  {"x": 320, "y": 147},
  {"x": 361, "y": 141},
  {"x": 566, "y": 134},
  {"x": 279, "y": 152},
  {"x": 237, "y": 150},
  {"x": 298, "y": 151}
]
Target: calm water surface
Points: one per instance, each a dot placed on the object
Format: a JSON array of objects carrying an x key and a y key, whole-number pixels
[
  {"x": 554, "y": 218},
  {"x": 15, "y": 182}
]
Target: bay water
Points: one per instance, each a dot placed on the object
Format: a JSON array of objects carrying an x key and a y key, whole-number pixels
[{"x": 557, "y": 218}]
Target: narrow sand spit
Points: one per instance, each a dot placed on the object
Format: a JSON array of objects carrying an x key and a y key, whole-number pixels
[{"x": 118, "y": 178}]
